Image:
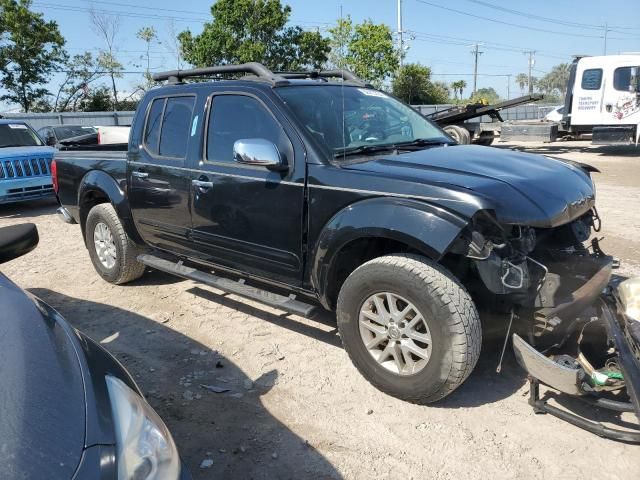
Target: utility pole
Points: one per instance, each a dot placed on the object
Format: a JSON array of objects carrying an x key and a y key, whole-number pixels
[
  {"x": 476, "y": 52},
  {"x": 532, "y": 62},
  {"x": 606, "y": 31},
  {"x": 400, "y": 34},
  {"x": 509, "y": 86}
]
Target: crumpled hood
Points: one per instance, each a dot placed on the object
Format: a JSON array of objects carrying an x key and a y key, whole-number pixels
[{"x": 522, "y": 188}]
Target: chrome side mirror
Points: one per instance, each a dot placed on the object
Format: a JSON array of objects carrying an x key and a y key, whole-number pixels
[{"x": 258, "y": 151}]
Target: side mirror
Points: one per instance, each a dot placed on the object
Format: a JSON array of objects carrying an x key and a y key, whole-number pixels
[
  {"x": 17, "y": 240},
  {"x": 258, "y": 151}
]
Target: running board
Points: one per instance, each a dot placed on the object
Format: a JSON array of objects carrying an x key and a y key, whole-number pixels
[{"x": 288, "y": 304}]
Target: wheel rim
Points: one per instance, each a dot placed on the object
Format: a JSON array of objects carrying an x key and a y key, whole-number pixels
[
  {"x": 105, "y": 245},
  {"x": 395, "y": 333}
]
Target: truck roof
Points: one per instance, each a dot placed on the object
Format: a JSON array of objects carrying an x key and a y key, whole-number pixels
[{"x": 625, "y": 59}]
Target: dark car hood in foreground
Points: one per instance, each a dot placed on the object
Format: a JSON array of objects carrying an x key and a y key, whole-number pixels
[
  {"x": 522, "y": 188},
  {"x": 42, "y": 407}
]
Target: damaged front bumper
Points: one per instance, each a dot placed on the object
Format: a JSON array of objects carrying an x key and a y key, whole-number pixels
[{"x": 615, "y": 314}]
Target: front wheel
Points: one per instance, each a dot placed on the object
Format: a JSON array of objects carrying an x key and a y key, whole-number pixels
[
  {"x": 112, "y": 252},
  {"x": 409, "y": 327}
]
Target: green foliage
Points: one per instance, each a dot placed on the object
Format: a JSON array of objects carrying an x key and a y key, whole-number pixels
[
  {"x": 148, "y": 35},
  {"x": 413, "y": 85},
  {"x": 80, "y": 71},
  {"x": 554, "y": 83},
  {"x": 30, "y": 50},
  {"x": 486, "y": 96},
  {"x": 366, "y": 49},
  {"x": 101, "y": 100},
  {"x": 254, "y": 31},
  {"x": 458, "y": 87}
]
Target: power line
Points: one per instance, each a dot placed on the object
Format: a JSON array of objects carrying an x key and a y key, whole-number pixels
[
  {"x": 547, "y": 19},
  {"x": 510, "y": 24}
]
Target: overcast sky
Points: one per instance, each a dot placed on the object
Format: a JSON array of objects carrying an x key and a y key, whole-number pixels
[{"x": 440, "y": 33}]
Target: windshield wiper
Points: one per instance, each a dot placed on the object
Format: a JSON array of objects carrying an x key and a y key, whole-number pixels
[
  {"x": 364, "y": 149},
  {"x": 425, "y": 142}
]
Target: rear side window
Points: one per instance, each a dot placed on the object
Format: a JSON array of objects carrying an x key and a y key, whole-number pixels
[
  {"x": 239, "y": 117},
  {"x": 152, "y": 127},
  {"x": 168, "y": 126},
  {"x": 592, "y": 79}
]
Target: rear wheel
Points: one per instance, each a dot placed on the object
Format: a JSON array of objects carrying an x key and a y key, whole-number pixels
[
  {"x": 112, "y": 252},
  {"x": 459, "y": 134},
  {"x": 485, "y": 139},
  {"x": 409, "y": 327}
]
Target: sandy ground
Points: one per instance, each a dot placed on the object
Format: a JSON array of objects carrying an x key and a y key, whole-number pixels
[{"x": 296, "y": 408}]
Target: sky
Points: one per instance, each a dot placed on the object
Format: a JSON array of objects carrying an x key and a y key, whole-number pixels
[{"x": 439, "y": 33}]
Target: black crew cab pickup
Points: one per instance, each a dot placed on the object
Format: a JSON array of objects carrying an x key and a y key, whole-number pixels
[{"x": 315, "y": 189}]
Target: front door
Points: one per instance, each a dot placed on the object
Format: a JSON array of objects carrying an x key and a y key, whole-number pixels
[
  {"x": 249, "y": 218},
  {"x": 159, "y": 182}
]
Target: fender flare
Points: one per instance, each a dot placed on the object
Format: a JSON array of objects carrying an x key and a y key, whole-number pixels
[
  {"x": 422, "y": 226},
  {"x": 97, "y": 181}
]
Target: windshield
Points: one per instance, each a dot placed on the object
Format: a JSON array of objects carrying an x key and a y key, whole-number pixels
[
  {"x": 371, "y": 118},
  {"x": 18, "y": 135},
  {"x": 69, "y": 131}
]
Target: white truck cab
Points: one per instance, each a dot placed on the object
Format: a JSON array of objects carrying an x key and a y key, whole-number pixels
[{"x": 603, "y": 98}]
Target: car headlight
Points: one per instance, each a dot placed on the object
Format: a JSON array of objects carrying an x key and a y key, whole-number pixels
[{"x": 145, "y": 449}]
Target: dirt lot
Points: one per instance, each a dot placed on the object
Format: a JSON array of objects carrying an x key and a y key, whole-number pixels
[{"x": 296, "y": 408}]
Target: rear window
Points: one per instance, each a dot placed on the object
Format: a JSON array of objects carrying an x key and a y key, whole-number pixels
[
  {"x": 168, "y": 126},
  {"x": 18, "y": 135},
  {"x": 592, "y": 79},
  {"x": 73, "y": 131}
]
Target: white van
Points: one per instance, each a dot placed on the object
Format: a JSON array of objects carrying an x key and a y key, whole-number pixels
[{"x": 603, "y": 98}]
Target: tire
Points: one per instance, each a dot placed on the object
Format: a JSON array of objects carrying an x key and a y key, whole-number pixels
[
  {"x": 459, "y": 134},
  {"x": 119, "y": 264},
  {"x": 485, "y": 139},
  {"x": 450, "y": 319}
]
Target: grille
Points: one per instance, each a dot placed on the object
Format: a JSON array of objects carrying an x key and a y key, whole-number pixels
[{"x": 24, "y": 167}]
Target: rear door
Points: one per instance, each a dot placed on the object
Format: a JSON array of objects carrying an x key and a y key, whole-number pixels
[
  {"x": 159, "y": 182},
  {"x": 250, "y": 218}
]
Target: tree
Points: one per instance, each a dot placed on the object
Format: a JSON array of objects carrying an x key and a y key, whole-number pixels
[
  {"x": 147, "y": 35},
  {"x": 458, "y": 87},
  {"x": 254, "y": 31},
  {"x": 107, "y": 27},
  {"x": 79, "y": 71},
  {"x": 486, "y": 96},
  {"x": 100, "y": 100},
  {"x": 30, "y": 50},
  {"x": 367, "y": 49},
  {"x": 554, "y": 83},
  {"x": 522, "y": 79},
  {"x": 413, "y": 85}
]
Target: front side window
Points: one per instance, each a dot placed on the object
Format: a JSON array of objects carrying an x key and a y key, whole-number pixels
[
  {"x": 18, "y": 135},
  {"x": 626, "y": 79},
  {"x": 346, "y": 118},
  {"x": 239, "y": 117},
  {"x": 591, "y": 79}
]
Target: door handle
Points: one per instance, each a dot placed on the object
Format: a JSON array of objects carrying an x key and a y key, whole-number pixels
[
  {"x": 202, "y": 184},
  {"x": 139, "y": 174}
]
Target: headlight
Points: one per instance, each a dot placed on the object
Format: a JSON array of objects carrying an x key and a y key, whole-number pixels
[{"x": 145, "y": 449}]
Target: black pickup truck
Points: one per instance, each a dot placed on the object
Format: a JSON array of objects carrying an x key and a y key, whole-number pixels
[{"x": 313, "y": 189}]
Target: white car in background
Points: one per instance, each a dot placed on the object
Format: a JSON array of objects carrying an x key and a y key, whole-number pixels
[
  {"x": 110, "y": 135},
  {"x": 555, "y": 115}
]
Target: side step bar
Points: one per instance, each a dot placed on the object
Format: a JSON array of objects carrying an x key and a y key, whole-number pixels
[{"x": 288, "y": 304}]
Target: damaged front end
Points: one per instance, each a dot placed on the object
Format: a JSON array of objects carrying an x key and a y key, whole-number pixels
[{"x": 576, "y": 330}]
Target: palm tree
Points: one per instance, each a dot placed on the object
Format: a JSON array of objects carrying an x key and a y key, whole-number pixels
[
  {"x": 458, "y": 86},
  {"x": 522, "y": 79}
]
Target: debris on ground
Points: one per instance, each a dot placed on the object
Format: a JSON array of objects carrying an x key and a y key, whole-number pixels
[{"x": 206, "y": 463}]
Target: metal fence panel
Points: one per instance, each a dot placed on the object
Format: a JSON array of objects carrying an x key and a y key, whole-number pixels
[{"x": 39, "y": 120}]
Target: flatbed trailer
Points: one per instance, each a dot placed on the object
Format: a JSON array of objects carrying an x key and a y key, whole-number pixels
[{"x": 454, "y": 120}]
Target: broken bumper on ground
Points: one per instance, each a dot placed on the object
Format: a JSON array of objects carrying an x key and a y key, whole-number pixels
[{"x": 616, "y": 310}]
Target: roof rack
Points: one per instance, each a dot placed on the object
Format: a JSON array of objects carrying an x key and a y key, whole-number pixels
[
  {"x": 260, "y": 71},
  {"x": 254, "y": 68},
  {"x": 345, "y": 75}
]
